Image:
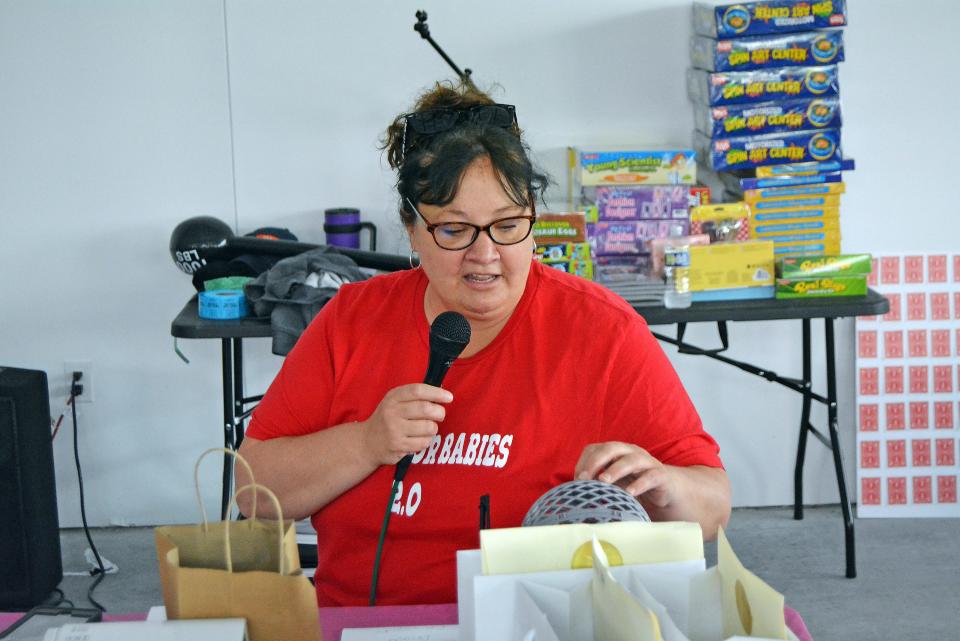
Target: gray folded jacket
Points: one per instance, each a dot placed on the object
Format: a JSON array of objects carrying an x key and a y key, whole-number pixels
[{"x": 284, "y": 292}]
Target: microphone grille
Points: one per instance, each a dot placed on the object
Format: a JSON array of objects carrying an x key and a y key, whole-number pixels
[
  {"x": 450, "y": 333},
  {"x": 585, "y": 502}
]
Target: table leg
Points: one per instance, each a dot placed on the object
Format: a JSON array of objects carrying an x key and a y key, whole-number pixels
[
  {"x": 238, "y": 413},
  {"x": 807, "y": 384},
  {"x": 226, "y": 357},
  {"x": 835, "y": 447}
]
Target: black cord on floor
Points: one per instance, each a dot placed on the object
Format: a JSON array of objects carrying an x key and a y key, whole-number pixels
[
  {"x": 100, "y": 571},
  {"x": 58, "y": 599}
]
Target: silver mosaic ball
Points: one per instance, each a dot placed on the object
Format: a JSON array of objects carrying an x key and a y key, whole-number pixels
[{"x": 585, "y": 502}]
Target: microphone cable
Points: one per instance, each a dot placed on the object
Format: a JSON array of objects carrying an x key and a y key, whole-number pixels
[{"x": 383, "y": 537}]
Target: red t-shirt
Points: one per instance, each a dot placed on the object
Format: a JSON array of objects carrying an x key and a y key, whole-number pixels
[{"x": 574, "y": 365}]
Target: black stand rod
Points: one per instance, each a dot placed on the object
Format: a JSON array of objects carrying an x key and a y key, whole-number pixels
[{"x": 424, "y": 31}]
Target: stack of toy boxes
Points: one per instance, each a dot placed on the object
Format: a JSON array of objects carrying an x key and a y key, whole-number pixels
[
  {"x": 797, "y": 206},
  {"x": 818, "y": 276},
  {"x": 631, "y": 197},
  {"x": 766, "y": 96},
  {"x": 561, "y": 243}
]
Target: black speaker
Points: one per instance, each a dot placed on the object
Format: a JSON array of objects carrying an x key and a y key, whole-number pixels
[{"x": 30, "y": 563}]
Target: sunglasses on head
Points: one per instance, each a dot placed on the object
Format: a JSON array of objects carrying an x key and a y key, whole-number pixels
[{"x": 420, "y": 125}]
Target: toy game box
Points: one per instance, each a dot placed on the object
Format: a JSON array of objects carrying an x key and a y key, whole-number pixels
[
  {"x": 719, "y": 19},
  {"x": 767, "y": 117},
  {"x": 762, "y": 85},
  {"x": 750, "y": 152},
  {"x": 761, "y": 52}
]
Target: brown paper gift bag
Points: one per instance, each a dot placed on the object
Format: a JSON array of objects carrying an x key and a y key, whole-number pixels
[{"x": 248, "y": 569}]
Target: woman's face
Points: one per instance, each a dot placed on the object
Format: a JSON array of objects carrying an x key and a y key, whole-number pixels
[{"x": 485, "y": 281}]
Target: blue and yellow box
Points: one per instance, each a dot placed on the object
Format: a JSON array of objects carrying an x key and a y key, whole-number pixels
[
  {"x": 762, "y": 52},
  {"x": 750, "y": 152},
  {"x": 788, "y": 193},
  {"x": 729, "y": 19},
  {"x": 762, "y": 85},
  {"x": 807, "y": 168},
  {"x": 767, "y": 117}
]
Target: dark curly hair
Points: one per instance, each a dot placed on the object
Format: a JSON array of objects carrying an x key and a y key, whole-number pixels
[{"x": 431, "y": 170}]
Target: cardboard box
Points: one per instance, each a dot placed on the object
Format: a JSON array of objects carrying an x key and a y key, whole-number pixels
[
  {"x": 628, "y": 237},
  {"x": 760, "y": 52},
  {"x": 807, "y": 168},
  {"x": 591, "y": 167},
  {"x": 578, "y": 267},
  {"x": 800, "y": 191},
  {"x": 794, "y": 215},
  {"x": 762, "y": 85},
  {"x": 728, "y": 265},
  {"x": 829, "y": 201},
  {"x": 722, "y": 222},
  {"x": 750, "y": 152},
  {"x": 785, "y": 248},
  {"x": 557, "y": 229},
  {"x": 562, "y": 252},
  {"x": 722, "y": 19},
  {"x": 821, "y": 287},
  {"x": 818, "y": 266},
  {"x": 767, "y": 117},
  {"x": 641, "y": 202}
]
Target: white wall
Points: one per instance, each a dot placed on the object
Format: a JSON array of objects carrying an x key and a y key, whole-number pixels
[{"x": 115, "y": 126}]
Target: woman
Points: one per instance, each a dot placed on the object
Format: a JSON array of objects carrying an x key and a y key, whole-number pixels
[{"x": 561, "y": 379}]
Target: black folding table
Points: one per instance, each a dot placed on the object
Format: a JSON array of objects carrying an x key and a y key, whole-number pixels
[{"x": 237, "y": 408}]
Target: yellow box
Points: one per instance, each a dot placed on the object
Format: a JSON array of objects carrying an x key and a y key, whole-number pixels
[{"x": 728, "y": 265}]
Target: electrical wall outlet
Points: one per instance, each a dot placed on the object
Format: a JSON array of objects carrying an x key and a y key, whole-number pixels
[{"x": 86, "y": 367}]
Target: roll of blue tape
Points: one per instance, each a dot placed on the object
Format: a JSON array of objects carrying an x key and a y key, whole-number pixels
[{"x": 223, "y": 304}]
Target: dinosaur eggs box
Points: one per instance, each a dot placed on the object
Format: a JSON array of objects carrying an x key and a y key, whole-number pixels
[
  {"x": 760, "y": 52},
  {"x": 750, "y": 152},
  {"x": 556, "y": 229},
  {"x": 767, "y": 117},
  {"x": 761, "y": 85},
  {"x": 722, "y": 19},
  {"x": 642, "y": 202},
  {"x": 592, "y": 167}
]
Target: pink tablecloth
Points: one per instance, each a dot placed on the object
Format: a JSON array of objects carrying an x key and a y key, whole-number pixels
[{"x": 334, "y": 620}]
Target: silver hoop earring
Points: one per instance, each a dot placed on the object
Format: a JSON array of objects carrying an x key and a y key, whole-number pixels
[{"x": 414, "y": 259}]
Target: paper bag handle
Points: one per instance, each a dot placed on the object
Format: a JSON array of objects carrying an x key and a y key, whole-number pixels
[
  {"x": 276, "y": 506},
  {"x": 196, "y": 481}
]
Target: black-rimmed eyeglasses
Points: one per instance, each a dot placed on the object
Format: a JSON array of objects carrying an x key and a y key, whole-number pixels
[
  {"x": 423, "y": 124},
  {"x": 457, "y": 236}
]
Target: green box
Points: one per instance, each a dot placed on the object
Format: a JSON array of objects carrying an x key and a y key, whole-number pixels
[
  {"x": 826, "y": 286},
  {"x": 810, "y": 266}
]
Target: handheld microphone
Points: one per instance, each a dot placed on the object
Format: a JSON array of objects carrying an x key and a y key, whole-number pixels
[{"x": 449, "y": 335}]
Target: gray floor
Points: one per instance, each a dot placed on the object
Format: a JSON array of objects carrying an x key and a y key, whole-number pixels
[{"x": 908, "y": 585}]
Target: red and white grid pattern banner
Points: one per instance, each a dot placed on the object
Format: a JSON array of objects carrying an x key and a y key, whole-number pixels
[{"x": 908, "y": 389}]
